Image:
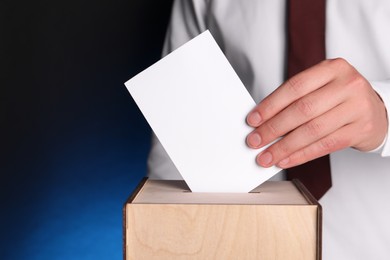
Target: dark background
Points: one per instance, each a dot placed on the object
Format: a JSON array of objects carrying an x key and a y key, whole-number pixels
[{"x": 73, "y": 143}]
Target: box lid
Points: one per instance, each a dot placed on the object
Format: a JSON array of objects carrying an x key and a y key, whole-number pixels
[{"x": 177, "y": 192}]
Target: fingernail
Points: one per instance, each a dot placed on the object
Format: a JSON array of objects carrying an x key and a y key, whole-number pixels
[
  {"x": 265, "y": 159},
  {"x": 254, "y": 119},
  {"x": 284, "y": 162},
  {"x": 254, "y": 140}
]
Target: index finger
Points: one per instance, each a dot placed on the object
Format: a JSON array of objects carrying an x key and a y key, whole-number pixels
[{"x": 293, "y": 89}]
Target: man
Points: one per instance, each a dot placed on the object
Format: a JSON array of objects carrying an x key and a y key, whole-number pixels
[{"x": 337, "y": 106}]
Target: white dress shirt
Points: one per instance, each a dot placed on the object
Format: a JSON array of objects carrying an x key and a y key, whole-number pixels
[{"x": 251, "y": 33}]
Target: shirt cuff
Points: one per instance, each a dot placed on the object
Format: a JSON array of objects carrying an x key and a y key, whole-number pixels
[
  {"x": 382, "y": 88},
  {"x": 379, "y": 149}
]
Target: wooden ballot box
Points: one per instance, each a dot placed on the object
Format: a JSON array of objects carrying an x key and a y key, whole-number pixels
[{"x": 277, "y": 220}]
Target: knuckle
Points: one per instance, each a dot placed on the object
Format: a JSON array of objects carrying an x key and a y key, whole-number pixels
[
  {"x": 365, "y": 107},
  {"x": 273, "y": 129},
  {"x": 295, "y": 84},
  {"x": 339, "y": 63},
  {"x": 369, "y": 127},
  {"x": 305, "y": 107},
  {"x": 358, "y": 83},
  {"x": 314, "y": 128},
  {"x": 300, "y": 157},
  {"x": 304, "y": 155},
  {"x": 282, "y": 149},
  {"x": 266, "y": 108},
  {"x": 331, "y": 144},
  {"x": 328, "y": 144}
]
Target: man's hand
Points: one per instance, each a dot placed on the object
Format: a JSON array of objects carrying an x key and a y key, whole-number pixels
[{"x": 325, "y": 108}]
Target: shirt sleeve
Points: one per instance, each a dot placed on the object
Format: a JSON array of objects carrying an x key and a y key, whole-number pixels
[
  {"x": 187, "y": 21},
  {"x": 383, "y": 90}
]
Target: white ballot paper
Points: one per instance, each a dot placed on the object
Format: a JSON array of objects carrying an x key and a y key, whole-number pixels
[{"x": 197, "y": 106}]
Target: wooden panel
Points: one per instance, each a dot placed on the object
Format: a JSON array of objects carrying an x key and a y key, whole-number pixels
[{"x": 178, "y": 231}]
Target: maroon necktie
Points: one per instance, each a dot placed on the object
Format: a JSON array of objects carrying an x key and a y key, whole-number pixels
[{"x": 306, "y": 47}]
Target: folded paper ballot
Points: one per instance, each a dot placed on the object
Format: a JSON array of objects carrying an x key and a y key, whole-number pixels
[{"x": 196, "y": 105}]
